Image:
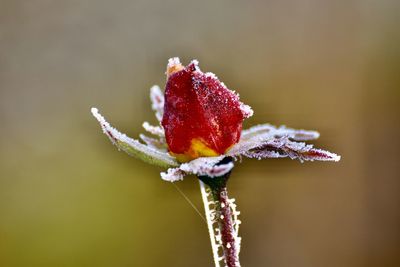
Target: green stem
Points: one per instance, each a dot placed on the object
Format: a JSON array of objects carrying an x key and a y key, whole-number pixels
[{"x": 224, "y": 219}]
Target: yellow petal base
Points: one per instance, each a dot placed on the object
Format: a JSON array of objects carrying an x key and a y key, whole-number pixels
[{"x": 197, "y": 149}]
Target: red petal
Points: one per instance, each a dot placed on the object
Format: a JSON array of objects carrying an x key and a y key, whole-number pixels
[{"x": 201, "y": 116}]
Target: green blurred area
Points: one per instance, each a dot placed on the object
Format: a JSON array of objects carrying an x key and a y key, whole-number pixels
[{"x": 68, "y": 198}]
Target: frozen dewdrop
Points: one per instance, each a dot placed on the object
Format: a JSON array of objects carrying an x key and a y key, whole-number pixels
[
  {"x": 222, "y": 217},
  {"x": 228, "y": 245},
  {"x": 222, "y": 205}
]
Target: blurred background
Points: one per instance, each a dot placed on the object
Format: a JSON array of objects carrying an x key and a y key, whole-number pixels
[{"x": 69, "y": 198}]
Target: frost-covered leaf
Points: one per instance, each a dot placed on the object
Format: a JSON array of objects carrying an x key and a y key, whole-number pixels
[
  {"x": 134, "y": 147},
  {"x": 157, "y": 101},
  {"x": 283, "y": 147},
  {"x": 155, "y": 130},
  {"x": 206, "y": 166},
  {"x": 256, "y": 135}
]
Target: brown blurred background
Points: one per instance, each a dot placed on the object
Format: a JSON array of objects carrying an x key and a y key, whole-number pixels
[{"x": 68, "y": 198}]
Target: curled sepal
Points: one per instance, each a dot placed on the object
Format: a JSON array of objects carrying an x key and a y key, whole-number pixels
[
  {"x": 206, "y": 166},
  {"x": 157, "y": 101},
  {"x": 283, "y": 147},
  {"x": 134, "y": 147}
]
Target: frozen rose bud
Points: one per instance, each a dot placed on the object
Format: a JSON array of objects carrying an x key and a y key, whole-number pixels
[{"x": 202, "y": 117}]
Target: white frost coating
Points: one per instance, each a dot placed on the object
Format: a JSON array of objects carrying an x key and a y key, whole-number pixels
[
  {"x": 173, "y": 62},
  {"x": 195, "y": 62},
  {"x": 246, "y": 110},
  {"x": 134, "y": 147},
  {"x": 156, "y": 130},
  {"x": 173, "y": 175},
  {"x": 157, "y": 101},
  {"x": 211, "y": 75},
  {"x": 264, "y": 155},
  {"x": 207, "y": 166}
]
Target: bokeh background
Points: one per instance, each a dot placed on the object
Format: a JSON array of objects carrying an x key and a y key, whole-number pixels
[{"x": 68, "y": 198}]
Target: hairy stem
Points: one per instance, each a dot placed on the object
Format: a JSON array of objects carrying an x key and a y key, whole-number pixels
[
  {"x": 230, "y": 245},
  {"x": 221, "y": 218}
]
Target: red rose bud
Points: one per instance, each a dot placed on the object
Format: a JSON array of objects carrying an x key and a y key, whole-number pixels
[{"x": 202, "y": 117}]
